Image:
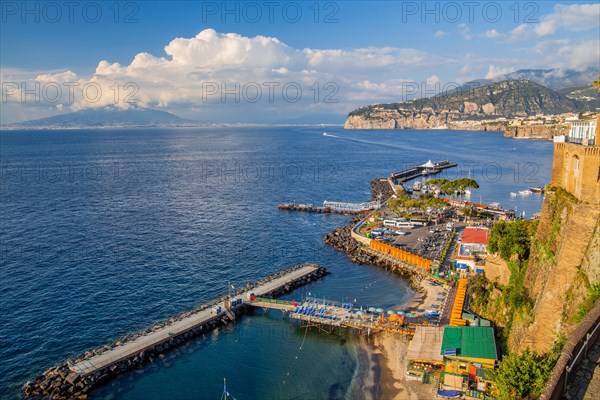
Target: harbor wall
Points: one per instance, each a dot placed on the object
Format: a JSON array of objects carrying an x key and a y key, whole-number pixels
[{"x": 61, "y": 382}]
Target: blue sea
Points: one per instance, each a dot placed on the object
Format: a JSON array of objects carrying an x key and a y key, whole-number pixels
[{"x": 105, "y": 232}]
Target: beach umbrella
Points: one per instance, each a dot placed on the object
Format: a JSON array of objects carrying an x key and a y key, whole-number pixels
[
  {"x": 372, "y": 309},
  {"x": 360, "y": 313},
  {"x": 400, "y": 312},
  {"x": 409, "y": 315},
  {"x": 390, "y": 312},
  {"x": 379, "y": 310}
]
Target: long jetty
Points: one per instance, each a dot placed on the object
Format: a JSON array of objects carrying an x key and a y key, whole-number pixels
[
  {"x": 76, "y": 378},
  {"x": 420, "y": 170},
  {"x": 332, "y": 207}
]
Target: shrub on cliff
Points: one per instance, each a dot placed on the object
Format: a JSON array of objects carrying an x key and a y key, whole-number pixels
[
  {"x": 511, "y": 238},
  {"x": 523, "y": 376}
]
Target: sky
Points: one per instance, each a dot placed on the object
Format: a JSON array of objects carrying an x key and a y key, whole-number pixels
[{"x": 274, "y": 61}]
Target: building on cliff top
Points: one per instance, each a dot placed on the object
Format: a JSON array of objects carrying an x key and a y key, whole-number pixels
[
  {"x": 582, "y": 131},
  {"x": 576, "y": 163}
]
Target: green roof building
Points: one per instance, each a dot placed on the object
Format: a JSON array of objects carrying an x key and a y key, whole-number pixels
[
  {"x": 470, "y": 356},
  {"x": 472, "y": 342}
]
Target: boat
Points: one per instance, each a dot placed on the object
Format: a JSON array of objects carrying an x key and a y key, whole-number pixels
[
  {"x": 417, "y": 186},
  {"x": 538, "y": 189},
  {"x": 525, "y": 192},
  {"x": 513, "y": 194},
  {"x": 324, "y": 133}
]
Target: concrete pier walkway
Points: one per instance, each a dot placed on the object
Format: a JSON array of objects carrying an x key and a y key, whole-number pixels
[{"x": 177, "y": 328}]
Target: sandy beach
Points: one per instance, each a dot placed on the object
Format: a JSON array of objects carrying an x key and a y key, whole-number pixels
[
  {"x": 391, "y": 351},
  {"x": 425, "y": 297}
]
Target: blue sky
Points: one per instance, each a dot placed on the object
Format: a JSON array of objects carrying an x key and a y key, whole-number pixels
[{"x": 339, "y": 54}]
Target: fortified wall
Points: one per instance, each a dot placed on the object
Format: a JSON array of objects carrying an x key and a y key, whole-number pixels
[{"x": 564, "y": 259}]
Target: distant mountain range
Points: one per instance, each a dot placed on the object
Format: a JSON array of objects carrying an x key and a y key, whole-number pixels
[
  {"x": 551, "y": 78},
  {"x": 521, "y": 93},
  {"x": 109, "y": 117}
]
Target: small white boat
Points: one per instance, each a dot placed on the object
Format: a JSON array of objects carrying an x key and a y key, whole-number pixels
[
  {"x": 525, "y": 192},
  {"x": 513, "y": 194}
]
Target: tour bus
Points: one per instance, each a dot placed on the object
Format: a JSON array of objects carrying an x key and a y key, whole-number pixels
[
  {"x": 404, "y": 225},
  {"x": 418, "y": 222},
  {"x": 389, "y": 222}
]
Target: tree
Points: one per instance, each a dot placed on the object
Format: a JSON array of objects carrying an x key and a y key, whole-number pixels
[
  {"x": 510, "y": 238},
  {"x": 523, "y": 376}
]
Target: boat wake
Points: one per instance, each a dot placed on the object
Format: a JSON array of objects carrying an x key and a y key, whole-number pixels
[{"x": 397, "y": 146}]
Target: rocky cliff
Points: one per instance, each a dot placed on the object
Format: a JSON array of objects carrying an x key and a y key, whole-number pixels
[
  {"x": 546, "y": 132},
  {"x": 563, "y": 268},
  {"x": 478, "y": 108}
]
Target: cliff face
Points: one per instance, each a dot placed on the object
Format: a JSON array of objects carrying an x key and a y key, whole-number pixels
[
  {"x": 473, "y": 109},
  {"x": 390, "y": 120},
  {"x": 564, "y": 263},
  {"x": 546, "y": 132}
]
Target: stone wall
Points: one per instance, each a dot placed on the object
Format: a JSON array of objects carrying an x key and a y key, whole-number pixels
[{"x": 576, "y": 169}]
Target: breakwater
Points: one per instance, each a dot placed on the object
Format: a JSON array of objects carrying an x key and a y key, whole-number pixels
[
  {"x": 341, "y": 239},
  {"x": 76, "y": 378},
  {"x": 426, "y": 169},
  {"x": 381, "y": 189}
]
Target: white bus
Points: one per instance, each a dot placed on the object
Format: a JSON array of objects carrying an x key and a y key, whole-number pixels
[
  {"x": 404, "y": 225},
  {"x": 389, "y": 222},
  {"x": 418, "y": 222}
]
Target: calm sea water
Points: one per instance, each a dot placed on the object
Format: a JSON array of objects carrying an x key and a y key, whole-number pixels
[{"x": 105, "y": 232}]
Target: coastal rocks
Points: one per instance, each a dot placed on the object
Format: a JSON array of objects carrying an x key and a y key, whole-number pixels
[
  {"x": 341, "y": 239},
  {"x": 61, "y": 382},
  {"x": 381, "y": 187}
]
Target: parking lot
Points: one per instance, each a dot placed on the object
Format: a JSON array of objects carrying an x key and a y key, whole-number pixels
[{"x": 427, "y": 241}]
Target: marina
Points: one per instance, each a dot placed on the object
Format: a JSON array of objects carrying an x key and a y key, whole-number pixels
[{"x": 429, "y": 168}]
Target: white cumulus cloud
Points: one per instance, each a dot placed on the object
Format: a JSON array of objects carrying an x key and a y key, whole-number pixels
[{"x": 193, "y": 67}]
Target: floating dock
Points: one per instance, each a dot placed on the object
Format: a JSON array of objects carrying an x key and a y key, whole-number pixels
[
  {"x": 429, "y": 168},
  {"x": 75, "y": 379},
  {"x": 328, "y": 315}
]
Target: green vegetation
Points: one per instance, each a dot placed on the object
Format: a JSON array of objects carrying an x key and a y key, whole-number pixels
[
  {"x": 511, "y": 239},
  {"x": 523, "y": 376},
  {"x": 447, "y": 247},
  {"x": 506, "y": 304},
  {"x": 451, "y": 187},
  {"x": 404, "y": 201},
  {"x": 592, "y": 298}
]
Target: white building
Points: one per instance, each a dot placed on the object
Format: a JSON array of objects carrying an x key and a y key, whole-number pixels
[{"x": 583, "y": 131}]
